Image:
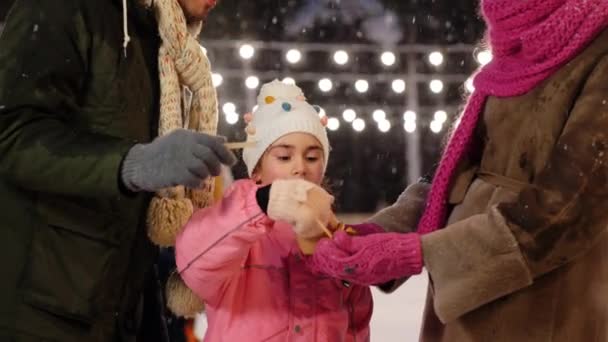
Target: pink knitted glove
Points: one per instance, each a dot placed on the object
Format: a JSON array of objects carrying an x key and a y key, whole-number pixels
[{"x": 368, "y": 260}]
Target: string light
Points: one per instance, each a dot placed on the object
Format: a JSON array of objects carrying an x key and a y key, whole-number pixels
[
  {"x": 409, "y": 115},
  {"x": 229, "y": 107},
  {"x": 252, "y": 82},
  {"x": 484, "y": 57},
  {"x": 217, "y": 79},
  {"x": 325, "y": 85},
  {"x": 436, "y": 86},
  {"x": 349, "y": 115},
  {"x": 333, "y": 124},
  {"x": 341, "y": 57},
  {"x": 361, "y": 86},
  {"x": 436, "y": 126},
  {"x": 232, "y": 118},
  {"x": 469, "y": 86},
  {"x": 384, "y": 126},
  {"x": 293, "y": 56},
  {"x": 361, "y": 83},
  {"x": 441, "y": 116},
  {"x": 398, "y": 86},
  {"x": 246, "y": 51},
  {"x": 379, "y": 115},
  {"x": 436, "y": 58},
  {"x": 409, "y": 126},
  {"x": 358, "y": 124},
  {"x": 388, "y": 58}
]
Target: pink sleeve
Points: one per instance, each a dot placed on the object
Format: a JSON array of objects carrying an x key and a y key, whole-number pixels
[
  {"x": 216, "y": 241},
  {"x": 362, "y": 308}
]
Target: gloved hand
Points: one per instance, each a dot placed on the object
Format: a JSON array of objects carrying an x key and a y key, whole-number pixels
[
  {"x": 182, "y": 157},
  {"x": 368, "y": 260},
  {"x": 302, "y": 204}
]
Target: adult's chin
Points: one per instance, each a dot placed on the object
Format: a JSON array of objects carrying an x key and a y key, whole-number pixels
[
  {"x": 200, "y": 15},
  {"x": 198, "y": 10}
]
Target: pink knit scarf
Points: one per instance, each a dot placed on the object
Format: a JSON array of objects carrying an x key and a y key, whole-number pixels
[{"x": 530, "y": 40}]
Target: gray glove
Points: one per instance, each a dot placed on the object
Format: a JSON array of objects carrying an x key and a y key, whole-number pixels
[{"x": 181, "y": 157}]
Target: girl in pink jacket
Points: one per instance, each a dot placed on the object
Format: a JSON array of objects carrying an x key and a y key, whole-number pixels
[{"x": 241, "y": 255}]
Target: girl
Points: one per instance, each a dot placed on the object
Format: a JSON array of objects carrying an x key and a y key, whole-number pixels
[
  {"x": 241, "y": 255},
  {"x": 520, "y": 195}
]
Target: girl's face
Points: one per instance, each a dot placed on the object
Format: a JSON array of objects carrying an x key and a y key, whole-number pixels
[{"x": 295, "y": 155}]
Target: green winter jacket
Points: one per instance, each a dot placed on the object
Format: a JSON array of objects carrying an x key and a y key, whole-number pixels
[{"x": 74, "y": 253}]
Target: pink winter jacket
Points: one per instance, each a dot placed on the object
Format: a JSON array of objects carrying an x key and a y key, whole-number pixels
[{"x": 250, "y": 273}]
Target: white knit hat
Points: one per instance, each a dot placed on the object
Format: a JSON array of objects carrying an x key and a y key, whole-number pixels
[{"x": 282, "y": 109}]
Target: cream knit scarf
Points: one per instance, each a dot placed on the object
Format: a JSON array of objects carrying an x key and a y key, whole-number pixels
[{"x": 182, "y": 64}]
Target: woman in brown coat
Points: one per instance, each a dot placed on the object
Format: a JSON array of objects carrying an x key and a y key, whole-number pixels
[{"x": 514, "y": 229}]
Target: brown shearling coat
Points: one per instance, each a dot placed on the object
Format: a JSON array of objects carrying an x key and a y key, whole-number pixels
[{"x": 524, "y": 256}]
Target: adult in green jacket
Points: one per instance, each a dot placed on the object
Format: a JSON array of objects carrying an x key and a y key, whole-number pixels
[{"x": 79, "y": 159}]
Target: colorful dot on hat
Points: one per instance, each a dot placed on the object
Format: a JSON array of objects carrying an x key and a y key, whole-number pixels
[
  {"x": 248, "y": 117},
  {"x": 286, "y": 106},
  {"x": 324, "y": 121},
  {"x": 269, "y": 99}
]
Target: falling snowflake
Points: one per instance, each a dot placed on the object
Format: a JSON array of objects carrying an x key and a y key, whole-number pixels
[{"x": 377, "y": 23}]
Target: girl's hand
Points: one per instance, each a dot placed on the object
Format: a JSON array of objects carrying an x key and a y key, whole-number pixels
[{"x": 302, "y": 204}]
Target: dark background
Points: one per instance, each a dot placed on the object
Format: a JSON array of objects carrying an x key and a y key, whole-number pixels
[{"x": 367, "y": 169}]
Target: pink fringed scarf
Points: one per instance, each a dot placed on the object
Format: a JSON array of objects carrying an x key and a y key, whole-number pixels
[{"x": 530, "y": 40}]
